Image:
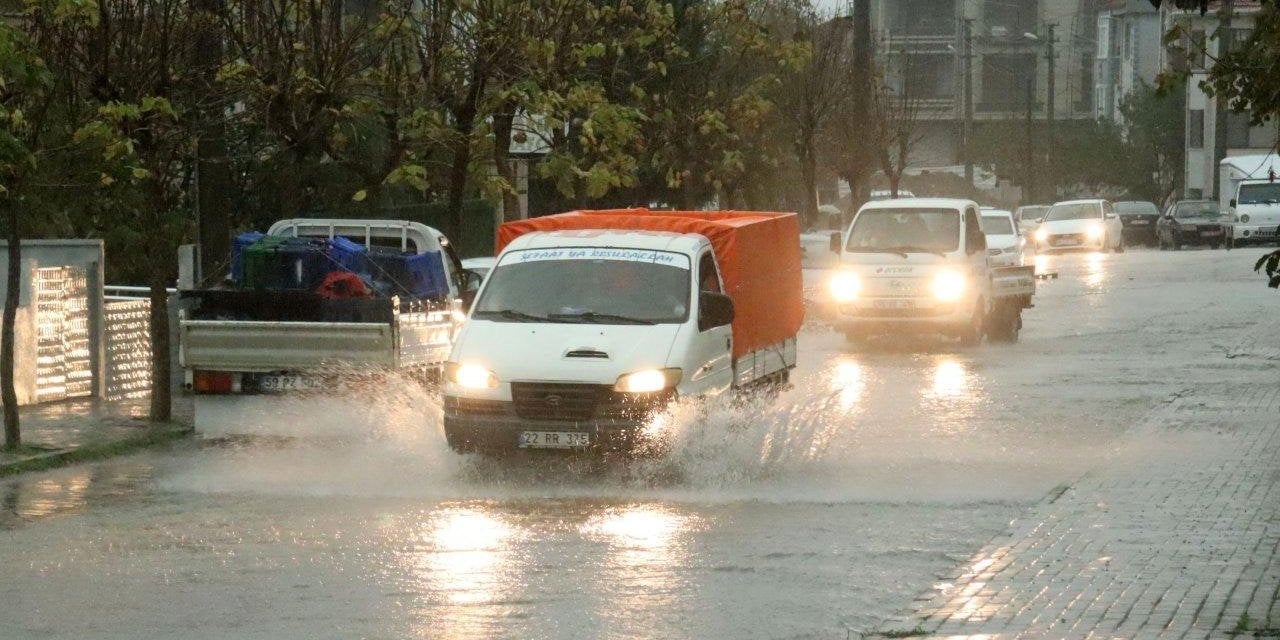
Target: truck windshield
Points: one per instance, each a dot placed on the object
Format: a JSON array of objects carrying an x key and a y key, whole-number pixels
[
  {"x": 1204, "y": 209},
  {"x": 905, "y": 231},
  {"x": 1259, "y": 193},
  {"x": 572, "y": 285},
  {"x": 1077, "y": 211},
  {"x": 996, "y": 225}
]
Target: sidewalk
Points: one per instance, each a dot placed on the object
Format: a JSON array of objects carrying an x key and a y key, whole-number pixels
[
  {"x": 62, "y": 433},
  {"x": 1176, "y": 536}
]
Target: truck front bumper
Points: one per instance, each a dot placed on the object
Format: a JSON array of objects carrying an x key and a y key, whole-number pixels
[
  {"x": 922, "y": 316},
  {"x": 494, "y": 426},
  {"x": 1241, "y": 234}
]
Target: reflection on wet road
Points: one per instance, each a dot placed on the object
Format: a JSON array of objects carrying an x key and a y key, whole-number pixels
[{"x": 814, "y": 513}]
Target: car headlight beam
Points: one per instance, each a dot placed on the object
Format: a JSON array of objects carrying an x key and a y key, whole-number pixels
[
  {"x": 845, "y": 286},
  {"x": 647, "y": 381},
  {"x": 1042, "y": 235},
  {"x": 948, "y": 285},
  {"x": 470, "y": 375},
  {"x": 1094, "y": 232}
]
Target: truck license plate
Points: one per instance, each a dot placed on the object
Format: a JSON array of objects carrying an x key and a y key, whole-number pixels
[
  {"x": 1209, "y": 234},
  {"x": 1063, "y": 242},
  {"x": 288, "y": 383},
  {"x": 554, "y": 440},
  {"x": 893, "y": 303}
]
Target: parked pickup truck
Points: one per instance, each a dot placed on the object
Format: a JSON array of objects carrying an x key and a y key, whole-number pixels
[
  {"x": 1249, "y": 197},
  {"x": 594, "y": 320},
  {"x": 920, "y": 265},
  {"x": 250, "y": 340}
]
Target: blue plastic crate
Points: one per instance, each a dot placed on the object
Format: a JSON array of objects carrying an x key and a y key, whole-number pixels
[
  {"x": 238, "y": 245},
  {"x": 419, "y": 275},
  {"x": 348, "y": 255}
]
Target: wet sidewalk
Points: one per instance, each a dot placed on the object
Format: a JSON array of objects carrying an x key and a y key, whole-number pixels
[
  {"x": 1177, "y": 535},
  {"x": 60, "y": 433}
]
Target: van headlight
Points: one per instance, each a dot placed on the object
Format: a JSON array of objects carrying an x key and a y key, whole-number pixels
[
  {"x": 1244, "y": 218},
  {"x": 1094, "y": 231},
  {"x": 647, "y": 380},
  {"x": 1042, "y": 235},
  {"x": 470, "y": 375},
  {"x": 948, "y": 285},
  {"x": 845, "y": 286}
]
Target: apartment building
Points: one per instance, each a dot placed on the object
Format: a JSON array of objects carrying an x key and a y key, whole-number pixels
[
  {"x": 923, "y": 47},
  {"x": 1129, "y": 39},
  {"x": 1213, "y": 131}
]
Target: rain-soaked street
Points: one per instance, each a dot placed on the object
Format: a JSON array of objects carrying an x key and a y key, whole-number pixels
[{"x": 813, "y": 514}]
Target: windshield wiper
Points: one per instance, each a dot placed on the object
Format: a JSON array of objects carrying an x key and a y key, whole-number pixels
[
  {"x": 600, "y": 318},
  {"x": 512, "y": 314},
  {"x": 876, "y": 250}
]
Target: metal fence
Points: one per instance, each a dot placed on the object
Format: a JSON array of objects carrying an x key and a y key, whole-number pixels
[
  {"x": 64, "y": 360},
  {"x": 127, "y": 336}
]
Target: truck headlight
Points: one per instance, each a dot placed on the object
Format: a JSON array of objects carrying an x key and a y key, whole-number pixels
[
  {"x": 1244, "y": 218},
  {"x": 470, "y": 375},
  {"x": 647, "y": 380},
  {"x": 948, "y": 285},
  {"x": 1094, "y": 232},
  {"x": 1042, "y": 235},
  {"x": 845, "y": 286}
]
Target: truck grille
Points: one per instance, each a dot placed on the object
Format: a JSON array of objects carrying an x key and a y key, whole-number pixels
[
  {"x": 475, "y": 407},
  {"x": 557, "y": 401},
  {"x": 569, "y": 401}
]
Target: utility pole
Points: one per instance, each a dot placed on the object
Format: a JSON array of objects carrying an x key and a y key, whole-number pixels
[
  {"x": 1226, "y": 37},
  {"x": 1050, "y": 107},
  {"x": 1028, "y": 186},
  {"x": 966, "y": 136},
  {"x": 213, "y": 176}
]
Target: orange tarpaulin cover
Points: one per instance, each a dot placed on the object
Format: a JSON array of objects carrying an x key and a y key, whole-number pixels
[{"x": 758, "y": 252}]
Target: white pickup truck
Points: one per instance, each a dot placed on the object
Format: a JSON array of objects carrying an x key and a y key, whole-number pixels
[
  {"x": 591, "y": 322},
  {"x": 921, "y": 265},
  {"x": 1249, "y": 198},
  {"x": 247, "y": 341}
]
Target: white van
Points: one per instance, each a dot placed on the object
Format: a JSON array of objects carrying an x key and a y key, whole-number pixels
[{"x": 920, "y": 265}]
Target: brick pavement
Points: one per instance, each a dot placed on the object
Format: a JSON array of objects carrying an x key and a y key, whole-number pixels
[{"x": 1176, "y": 535}]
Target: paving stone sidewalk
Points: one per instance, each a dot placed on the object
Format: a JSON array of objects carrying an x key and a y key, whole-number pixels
[
  {"x": 1176, "y": 536},
  {"x": 64, "y": 432}
]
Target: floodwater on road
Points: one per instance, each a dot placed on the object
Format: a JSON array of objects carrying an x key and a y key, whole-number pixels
[{"x": 815, "y": 513}]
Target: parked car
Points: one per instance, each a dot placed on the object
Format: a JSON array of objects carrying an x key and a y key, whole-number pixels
[
  {"x": 1027, "y": 217},
  {"x": 1194, "y": 222},
  {"x": 479, "y": 266},
  {"x": 1138, "y": 220},
  {"x": 1004, "y": 242},
  {"x": 1080, "y": 224},
  {"x": 885, "y": 194}
]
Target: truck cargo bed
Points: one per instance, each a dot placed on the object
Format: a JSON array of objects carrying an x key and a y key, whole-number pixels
[{"x": 1007, "y": 282}]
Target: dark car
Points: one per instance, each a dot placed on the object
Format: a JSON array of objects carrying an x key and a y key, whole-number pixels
[
  {"x": 1191, "y": 222},
  {"x": 1140, "y": 220}
]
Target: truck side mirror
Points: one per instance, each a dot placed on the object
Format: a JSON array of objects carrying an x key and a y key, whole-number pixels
[
  {"x": 835, "y": 242},
  {"x": 714, "y": 310},
  {"x": 1233, "y": 203}
]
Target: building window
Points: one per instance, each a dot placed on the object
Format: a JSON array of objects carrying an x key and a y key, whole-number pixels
[
  {"x": 1004, "y": 81},
  {"x": 922, "y": 76},
  {"x": 1195, "y": 129},
  {"x": 1005, "y": 18},
  {"x": 1196, "y": 49},
  {"x": 1237, "y": 130},
  {"x": 920, "y": 17},
  {"x": 1084, "y": 101}
]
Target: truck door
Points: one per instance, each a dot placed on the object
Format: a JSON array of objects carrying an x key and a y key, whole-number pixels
[
  {"x": 711, "y": 357},
  {"x": 975, "y": 247}
]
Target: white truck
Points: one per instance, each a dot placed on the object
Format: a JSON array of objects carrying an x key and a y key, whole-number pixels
[
  {"x": 921, "y": 265},
  {"x": 1249, "y": 197},
  {"x": 593, "y": 321},
  {"x": 235, "y": 341}
]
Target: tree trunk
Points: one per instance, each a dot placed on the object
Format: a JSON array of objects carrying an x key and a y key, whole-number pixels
[
  {"x": 161, "y": 407},
  {"x": 8, "y": 395},
  {"x": 457, "y": 185},
  {"x": 809, "y": 180},
  {"x": 502, "y": 123}
]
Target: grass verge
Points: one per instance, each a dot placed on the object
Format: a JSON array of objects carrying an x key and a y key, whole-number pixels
[{"x": 44, "y": 459}]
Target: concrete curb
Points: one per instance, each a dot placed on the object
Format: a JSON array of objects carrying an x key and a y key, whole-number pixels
[{"x": 154, "y": 436}]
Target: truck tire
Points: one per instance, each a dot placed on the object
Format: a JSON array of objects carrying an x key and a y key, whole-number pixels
[
  {"x": 971, "y": 335},
  {"x": 1006, "y": 322},
  {"x": 1120, "y": 247}
]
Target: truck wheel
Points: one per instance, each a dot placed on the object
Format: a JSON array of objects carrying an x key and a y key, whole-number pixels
[
  {"x": 971, "y": 335},
  {"x": 1120, "y": 247},
  {"x": 1006, "y": 321}
]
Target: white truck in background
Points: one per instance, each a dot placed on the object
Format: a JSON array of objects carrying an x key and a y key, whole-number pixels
[
  {"x": 234, "y": 341},
  {"x": 921, "y": 266},
  {"x": 1249, "y": 198}
]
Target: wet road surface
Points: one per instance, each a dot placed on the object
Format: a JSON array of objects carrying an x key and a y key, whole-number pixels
[{"x": 812, "y": 514}]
